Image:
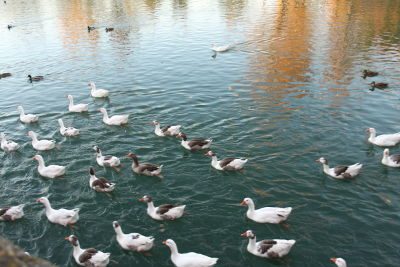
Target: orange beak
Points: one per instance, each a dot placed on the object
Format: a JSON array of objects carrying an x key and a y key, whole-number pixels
[
  {"x": 164, "y": 242},
  {"x": 33, "y": 158},
  {"x": 66, "y": 238},
  {"x": 317, "y": 160},
  {"x": 37, "y": 200},
  {"x": 244, "y": 234},
  {"x": 141, "y": 199},
  {"x": 333, "y": 260},
  {"x": 243, "y": 203}
]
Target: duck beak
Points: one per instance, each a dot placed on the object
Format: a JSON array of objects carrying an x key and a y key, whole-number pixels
[
  {"x": 367, "y": 130},
  {"x": 164, "y": 242},
  {"x": 243, "y": 203},
  {"x": 141, "y": 199},
  {"x": 333, "y": 260},
  {"x": 317, "y": 160},
  {"x": 37, "y": 200},
  {"x": 66, "y": 238},
  {"x": 33, "y": 158},
  {"x": 243, "y": 235}
]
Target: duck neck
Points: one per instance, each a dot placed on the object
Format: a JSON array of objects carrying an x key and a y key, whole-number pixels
[
  {"x": 372, "y": 135},
  {"x": 118, "y": 231},
  {"x": 77, "y": 249},
  {"x": 135, "y": 162},
  {"x": 325, "y": 167},
  {"x": 71, "y": 102},
  {"x": 34, "y": 137},
  {"x": 252, "y": 243},
  {"x": 99, "y": 154},
  {"x": 61, "y": 123},
  {"x": 105, "y": 115},
  {"x": 41, "y": 163},
  {"x": 251, "y": 207},
  {"x": 214, "y": 160},
  {"x": 47, "y": 206},
  {"x": 21, "y": 111},
  {"x": 150, "y": 206},
  {"x": 93, "y": 87},
  {"x": 92, "y": 178},
  {"x": 174, "y": 250}
]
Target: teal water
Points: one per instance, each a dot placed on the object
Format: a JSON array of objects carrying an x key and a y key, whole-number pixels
[{"x": 288, "y": 93}]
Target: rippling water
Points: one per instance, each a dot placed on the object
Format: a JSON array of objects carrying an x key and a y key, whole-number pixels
[{"x": 289, "y": 92}]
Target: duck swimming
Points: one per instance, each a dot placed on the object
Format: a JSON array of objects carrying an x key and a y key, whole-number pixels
[
  {"x": 194, "y": 144},
  {"x": 227, "y": 164},
  {"x": 35, "y": 78},
  {"x": 63, "y": 217},
  {"x": 100, "y": 184},
  {"x": 26, "y": 118},
  {"x": 41, "y": 145},
  {"x": 7, "y": 145},
  {"x": 341, "y": 171},
  {"x": 114, "y": 120},
  {"x": 51, "y": 171},
  {"x": 339, "y": 262},
  {"x": 133, "y": 241},
  {"x": 170, "y": 130},
  {"x": 379, "y": 85},
  {"x": 390, "y": 160},
  {"x": 267, "y": 214},
  {"x": 97, "y": 93},
  {"x": 12, "y": 213},
  {"x": 67, "y": 131},
  {"x": 76, "y": 107},
  {"x": 148, "y": 169},
  {"x": 368, "y": 73},
  {"x": 89, "y": 257},
  {"x": 383, "y": 139},
  {"x": 165, "y": 212},
  {"x": 106, "y": 161}
]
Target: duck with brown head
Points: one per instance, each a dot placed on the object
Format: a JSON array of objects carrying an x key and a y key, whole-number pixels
[{"x": 148, "y": 169}]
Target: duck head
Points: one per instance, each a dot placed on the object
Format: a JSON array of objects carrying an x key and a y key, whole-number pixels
[
  {"x": 146, "y": 199},
  {"x": 339, "y": 262},
  {"x": 182, "y": 136},
  {"x": 210, "y": 154},
  {"x": 156, "y": 123},
  {"x": 116, "y": 224},
  {"x": 322, "y": 160},
  {"x": 248, "y": 234},
  {"x": 73, "y": 240}
]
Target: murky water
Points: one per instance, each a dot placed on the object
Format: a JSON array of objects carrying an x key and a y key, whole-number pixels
[{"x": 289, "y": 92}]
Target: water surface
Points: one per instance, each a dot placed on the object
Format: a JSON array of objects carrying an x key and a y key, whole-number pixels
[{"x": 289, "y": 92}]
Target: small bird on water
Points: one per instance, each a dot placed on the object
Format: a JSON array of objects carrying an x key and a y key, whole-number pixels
[
  {"x": 109, "y": 29},
  {"x": 35, "y": 78},
  {"x": 378, "y": 85},
  {"x": 90, "y": 28},
  {"x": 369, "y": 73}
]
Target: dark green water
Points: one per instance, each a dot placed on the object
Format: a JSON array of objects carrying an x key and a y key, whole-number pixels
[{"x": 288, "y": 93}]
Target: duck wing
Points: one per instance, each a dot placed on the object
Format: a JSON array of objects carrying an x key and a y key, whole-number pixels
[
  {"x": 197, "y": 142},
  {"x": 340, "y": 170},
  {"x": 165, "y": 129},
  {"x": 148, "y": 167},
  {"x": 87, "y": 255},
  {"x": 101, "y": 182},
  {"x": 162, "y": 209},
  {"x": 4, "y": 210},
  {"x": 265, "y": 245},
  {"x": 395, "y": 158},
  {"x": 223, "y": 163}
]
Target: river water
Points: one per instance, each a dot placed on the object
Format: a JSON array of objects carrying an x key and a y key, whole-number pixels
[{"x": 289, "y": 92}]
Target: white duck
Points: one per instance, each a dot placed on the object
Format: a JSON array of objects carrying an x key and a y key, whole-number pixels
[
  {"x": 43, "y": 144},
  {"x": 76, "y": 107},
  {"x": 7, "y": 145},
  {"x": 190, "y": 259},
  {"x": 61, "y": 216},
  {"x": 98, "y": 93},
  {"x": 170, "y": 130},
  {"x": 100, "y": 184},
  {"x": 12, "y": 213},
  {"x": 340, "y": 172},
  {"x": 383, "y": 139},
  {"x": 26, "y": 118},
  {"x": 50, "y": 171},
  {"x": 275, "y": 248},
  {"x": 390, "y": 160},
  {"x": 148, "y": 169},
  {"x": 67, "y": 131},
  {"x": 221, "y": 48},
  {"x": 106, "y": 161},
  {"x": 114, "y": 120},
  {"x": 163, "y": 212},
  {"x": 89, "y": 256},
  {"x": 133, "y": 241},
  {"x": 227, "y": 164},
  {"x": 339, "y": 262},
  {"x": 267, "y": 214},
  {"x": 194, "y": 144}
]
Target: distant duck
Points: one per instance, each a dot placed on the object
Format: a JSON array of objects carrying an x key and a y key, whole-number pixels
[
  {"x": 170, "y": 130},
  {"x": 5, "y": 75},
  {"x": 148, "y": 169},
  {"x": 63, "y": 217},
  {"x": 109, "y": 29},
  {"x": 12, "y": 213},
  {"x": 390, "y": 160},
  {"x": 383, "y": 139},
  {"x": 114, "y": 120},
  {"x": 339, "y": 262},
  {"x": 368, "y": 73},
  {"x": 51, "y": 171},
  {"x": 7, "y": 145},
  {"x": 194, "y": 144},
  {"x": 89, "y": 257},
  {"x": 106, "y": 161},
  {"x": 70, "y": 131},
  {"x": 163, "y": 212},
  {"x": 133, "y": 241},
  {"x": 9, "y": 26},
  {"x": 267, "y": 214},
  {"x": 90, "y": 28},
  {"x": 379, "y": 85},
  {"x": 77, "y": 107},
  {"x": 222, "y": 48},
  {"x": 26, "y": 118},
  {"x": 227, "y": 164},
  {"x": 100, "y": 184},
  {"x": 272, "y": 249},
  {"x": 41, "y": 145},
  {"x": 35, "y": 78},
  {"x": 341, "y": 171},
  {"x": 190, "y": 259},
  {"x": 98, "y": 93}
]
